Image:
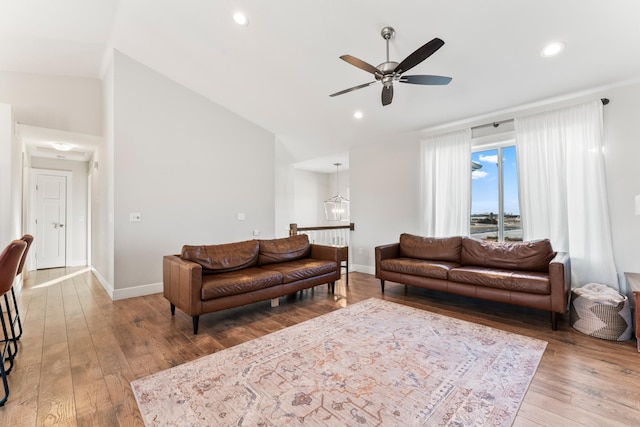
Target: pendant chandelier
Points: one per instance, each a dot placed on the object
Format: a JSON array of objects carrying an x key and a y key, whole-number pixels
[{"x": 336, "y": 208}]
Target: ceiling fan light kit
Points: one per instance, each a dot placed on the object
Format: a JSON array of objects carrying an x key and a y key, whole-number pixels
[{"x": 391, "y": 71}]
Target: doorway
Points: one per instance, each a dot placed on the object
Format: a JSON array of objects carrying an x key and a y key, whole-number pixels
[{"x": 50, "y": 209}]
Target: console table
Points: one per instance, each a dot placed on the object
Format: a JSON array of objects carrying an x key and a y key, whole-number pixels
[{"x": 633, "y": 279}]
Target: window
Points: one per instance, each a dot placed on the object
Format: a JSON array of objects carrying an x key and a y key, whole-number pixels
[{"x": 495, "y": 209}]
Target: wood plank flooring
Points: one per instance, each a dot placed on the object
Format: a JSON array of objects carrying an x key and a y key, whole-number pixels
[{"x": 80, "y": 350}]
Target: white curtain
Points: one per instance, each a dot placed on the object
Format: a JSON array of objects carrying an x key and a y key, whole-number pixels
[
  {"x": 563, "y": 191},
  {"x": 446, "y": 170}
]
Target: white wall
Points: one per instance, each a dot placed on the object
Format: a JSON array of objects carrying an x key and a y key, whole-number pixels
[
  {"x": 8, "y": 181},
  {"x": 622, "y": 156},
  {"x": 310, "y": 189},
  {"x": 385, "y": 195},
  {"x": 77, "y": 220},
  {"x": 188, "y": 166},
  {"x": 284, "y": 190},
  {"x": 102, "y": 231}
]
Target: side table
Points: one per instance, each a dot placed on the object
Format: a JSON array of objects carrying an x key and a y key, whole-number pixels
[{"x": 633, "y": 279}]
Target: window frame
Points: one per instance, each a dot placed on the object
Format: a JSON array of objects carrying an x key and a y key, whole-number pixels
[{"x": 495, "y": 142}]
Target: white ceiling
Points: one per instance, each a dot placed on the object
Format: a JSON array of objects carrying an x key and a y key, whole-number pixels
[{"x": 279, "y": 70}]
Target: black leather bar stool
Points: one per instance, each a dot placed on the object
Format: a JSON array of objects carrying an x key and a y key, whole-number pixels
[
  {"x": 9, "y": 262},
  {"x": 28, "y": 238}
]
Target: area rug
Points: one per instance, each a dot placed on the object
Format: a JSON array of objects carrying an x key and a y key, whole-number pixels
[{"x": 373, "y": 363}]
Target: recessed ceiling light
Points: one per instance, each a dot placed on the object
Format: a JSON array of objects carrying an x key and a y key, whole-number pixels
[
  {"x": 241, "y": 19},
  {"x": 358, "y": 114},
  {"x": 62, "y": 146},
  {"x": 552, "y": 49}
]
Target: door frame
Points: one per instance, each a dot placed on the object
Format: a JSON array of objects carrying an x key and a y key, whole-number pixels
[{"x": 33, "y": 202}]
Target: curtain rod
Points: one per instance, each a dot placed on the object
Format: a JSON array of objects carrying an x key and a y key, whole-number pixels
[{"x": 495, "y": 124}]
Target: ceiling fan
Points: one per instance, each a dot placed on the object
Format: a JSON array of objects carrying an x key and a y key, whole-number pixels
[{"x": 391, "y": 71}]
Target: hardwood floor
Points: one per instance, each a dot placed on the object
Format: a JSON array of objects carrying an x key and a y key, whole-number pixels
[{"x": 80, "y": 350}]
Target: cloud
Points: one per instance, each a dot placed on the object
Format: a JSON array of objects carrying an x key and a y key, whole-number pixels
[
  {"x": 479, "y": 174},
  {"x": 493, "y": 159}
]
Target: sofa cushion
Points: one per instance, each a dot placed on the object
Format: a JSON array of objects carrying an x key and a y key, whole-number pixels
[
  {"x": 418, "y": 267},
  {"x": 286, "y": 249},
  {"x": 301, "y": 269},
  {"x": 224, "y": 257},
  {"x": 430, "y": 248},
  {"x": 522, "y": 256},
  {"x": 521, "y": 281},
  {"x": 237, "y": 282}
]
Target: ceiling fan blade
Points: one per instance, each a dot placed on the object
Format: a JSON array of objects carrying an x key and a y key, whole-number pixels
[
  {"x": 425, "y": 80},
  {"x": 387, "y": 94},
  {"x": 419, "y": 55},
  {"x": 353, "y": 88},
  {"x": 360, "y": 64}
]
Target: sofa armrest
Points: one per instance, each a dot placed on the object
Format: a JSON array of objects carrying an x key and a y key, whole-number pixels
[
  {"x": 383, "y": 252},
  {"x": 329, "y": 253},
  {"x": 560, "y": 281},
  {"x": 182, "y": 284}
]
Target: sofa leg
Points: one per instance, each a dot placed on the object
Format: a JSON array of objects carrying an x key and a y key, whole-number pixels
[
  {"x": 173, "y": 309},
  {"x": 332, "y": 287},
  {"x": 382, "y": 285},
  {"x": 554, "y": 321},
  {"x": 195, "y": 324}
]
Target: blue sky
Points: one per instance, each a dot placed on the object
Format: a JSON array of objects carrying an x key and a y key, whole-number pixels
[{"x": 484, "y": 183}]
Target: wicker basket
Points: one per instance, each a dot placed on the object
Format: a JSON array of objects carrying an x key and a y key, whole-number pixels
[{"x": 606, "y": 318}]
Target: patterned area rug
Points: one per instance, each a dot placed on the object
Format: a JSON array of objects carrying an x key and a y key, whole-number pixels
[{"x": 374, "y": 363}]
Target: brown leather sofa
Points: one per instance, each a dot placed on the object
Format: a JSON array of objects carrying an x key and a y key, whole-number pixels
[
  {"x": 208, "y": 278},
  {"x": 528, "y": 274}
]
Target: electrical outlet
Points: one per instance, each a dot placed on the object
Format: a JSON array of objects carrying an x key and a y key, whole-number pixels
[
  {"x": 256, "y": 232},
  {"x": 360, "y": 251}
]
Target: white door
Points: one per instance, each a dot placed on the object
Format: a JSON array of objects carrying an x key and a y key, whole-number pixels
[{"x": 51, "y": 219}]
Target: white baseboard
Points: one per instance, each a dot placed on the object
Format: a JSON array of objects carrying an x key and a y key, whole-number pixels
[
  {"x": 368, "y": 269},
  {"x": 135, "y": 291},
  {"x": 105, "y": 284}
]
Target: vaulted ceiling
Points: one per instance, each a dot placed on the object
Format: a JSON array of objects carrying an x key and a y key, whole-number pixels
[{"x": 279, "y": 70}]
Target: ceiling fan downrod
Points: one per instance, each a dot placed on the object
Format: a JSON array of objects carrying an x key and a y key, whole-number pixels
[{"x": 387, "y": 33}]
